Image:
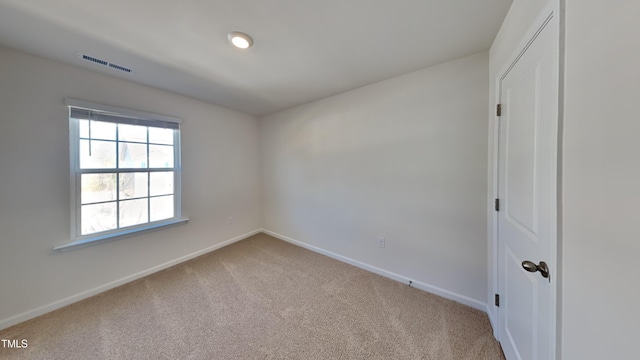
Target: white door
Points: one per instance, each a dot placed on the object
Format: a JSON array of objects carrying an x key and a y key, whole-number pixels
[{"x": 527, "y": 177}]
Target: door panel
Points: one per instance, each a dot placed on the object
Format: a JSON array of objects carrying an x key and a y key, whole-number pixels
[
  {"x": 520, "y": 166},
  {"x": 521, "y": 308},
  {"x": 527, "y": 176}
]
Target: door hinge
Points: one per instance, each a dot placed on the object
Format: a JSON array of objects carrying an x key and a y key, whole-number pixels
[
  {"x": 499, "y": 110},
  {"x": 497, "y": 300},
  {"x": 496, "y": 204}
]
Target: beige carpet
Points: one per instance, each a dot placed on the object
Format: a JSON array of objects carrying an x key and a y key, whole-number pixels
[{"x": 260, "y": 298}]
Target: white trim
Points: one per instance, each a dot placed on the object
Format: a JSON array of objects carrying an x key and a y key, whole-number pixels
[
  {"x": 119, "y": 110},
  {"x": 547, "y": 15},
  {"x": 177, "y": 167},
  {"x": 77, "y": 239},
  {"x": 492, "y": 320},
  {"x": 134, "y": 230},
  {"x": 30, "y": 314},
  {"x": 492, "y": 267},
  {"x": 73, "y": 178},
  {"x": 388, "y": 274}
]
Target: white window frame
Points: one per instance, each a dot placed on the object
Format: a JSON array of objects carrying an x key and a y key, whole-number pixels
[{"x": 79, "y": 240}]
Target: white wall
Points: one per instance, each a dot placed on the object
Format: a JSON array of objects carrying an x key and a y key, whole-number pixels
[
  {"x": 521, "y": 14},
  {"x": 601, "y": 310},
  {"x": 405, "y": 159},
  {"x": 220, "y": 178}
]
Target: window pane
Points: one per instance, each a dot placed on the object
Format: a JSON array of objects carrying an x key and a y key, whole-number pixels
[
  {"x": 98, "y": 188},
  {"x": 98, "y": 217},
  {"x": 99, "y": 130},
  {"x": 133, "y": 212},
  {"x": 161, "y": 208},
  {"x": 133, "y": 155},
  {"x": 160, "y": 156},
  {"x": 103, "y": 154},
  {"x": 83, "y": 126},
  {"x": 132, "y": 133},
  {"x": 133, "y": 185},
  {"x": 161, "y": 136},
  {"x": 161, "y": 183}
]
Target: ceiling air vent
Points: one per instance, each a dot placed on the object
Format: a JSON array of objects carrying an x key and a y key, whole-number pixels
[
  {"x": 119, "y": 67},
  {"x": 105, "y": 63}
]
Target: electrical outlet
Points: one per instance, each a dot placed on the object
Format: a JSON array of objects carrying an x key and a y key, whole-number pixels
[
  {"x": 381, "y": 241},
  {"x": 230, "y": 220}
]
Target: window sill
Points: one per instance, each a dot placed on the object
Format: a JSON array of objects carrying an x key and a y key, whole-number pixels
[{"x": 93, "y": 240}]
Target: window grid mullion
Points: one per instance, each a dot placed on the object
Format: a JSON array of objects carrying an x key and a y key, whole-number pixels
[
  {"x": 117, "y": 176},
  {"x": 127, "y": 141},
  {"x": 129, "y": 170},
  {"x": 103, "y": 202},
  {"x": 148, "y": 179}
]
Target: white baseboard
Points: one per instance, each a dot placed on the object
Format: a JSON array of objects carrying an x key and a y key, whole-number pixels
[
  {"x": 492, "y": 321},
  {"x": 403, "y": 279},
  {"x": 30, "y": 314}
]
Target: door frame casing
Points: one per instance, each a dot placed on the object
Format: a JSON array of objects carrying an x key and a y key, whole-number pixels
[{"x": 552, "y": 9}]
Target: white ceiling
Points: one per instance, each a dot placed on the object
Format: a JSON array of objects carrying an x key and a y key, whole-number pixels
[{"x": 304, "y": 49}]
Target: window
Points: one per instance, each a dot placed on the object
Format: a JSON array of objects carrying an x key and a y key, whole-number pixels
[{"x": 125, "y": 171}]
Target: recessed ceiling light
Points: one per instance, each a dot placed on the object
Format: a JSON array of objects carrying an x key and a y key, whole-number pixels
[{"x": 240, "y": 39}]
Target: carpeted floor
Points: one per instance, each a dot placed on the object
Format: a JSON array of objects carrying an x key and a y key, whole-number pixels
[{"x": 260, "y": 298}]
